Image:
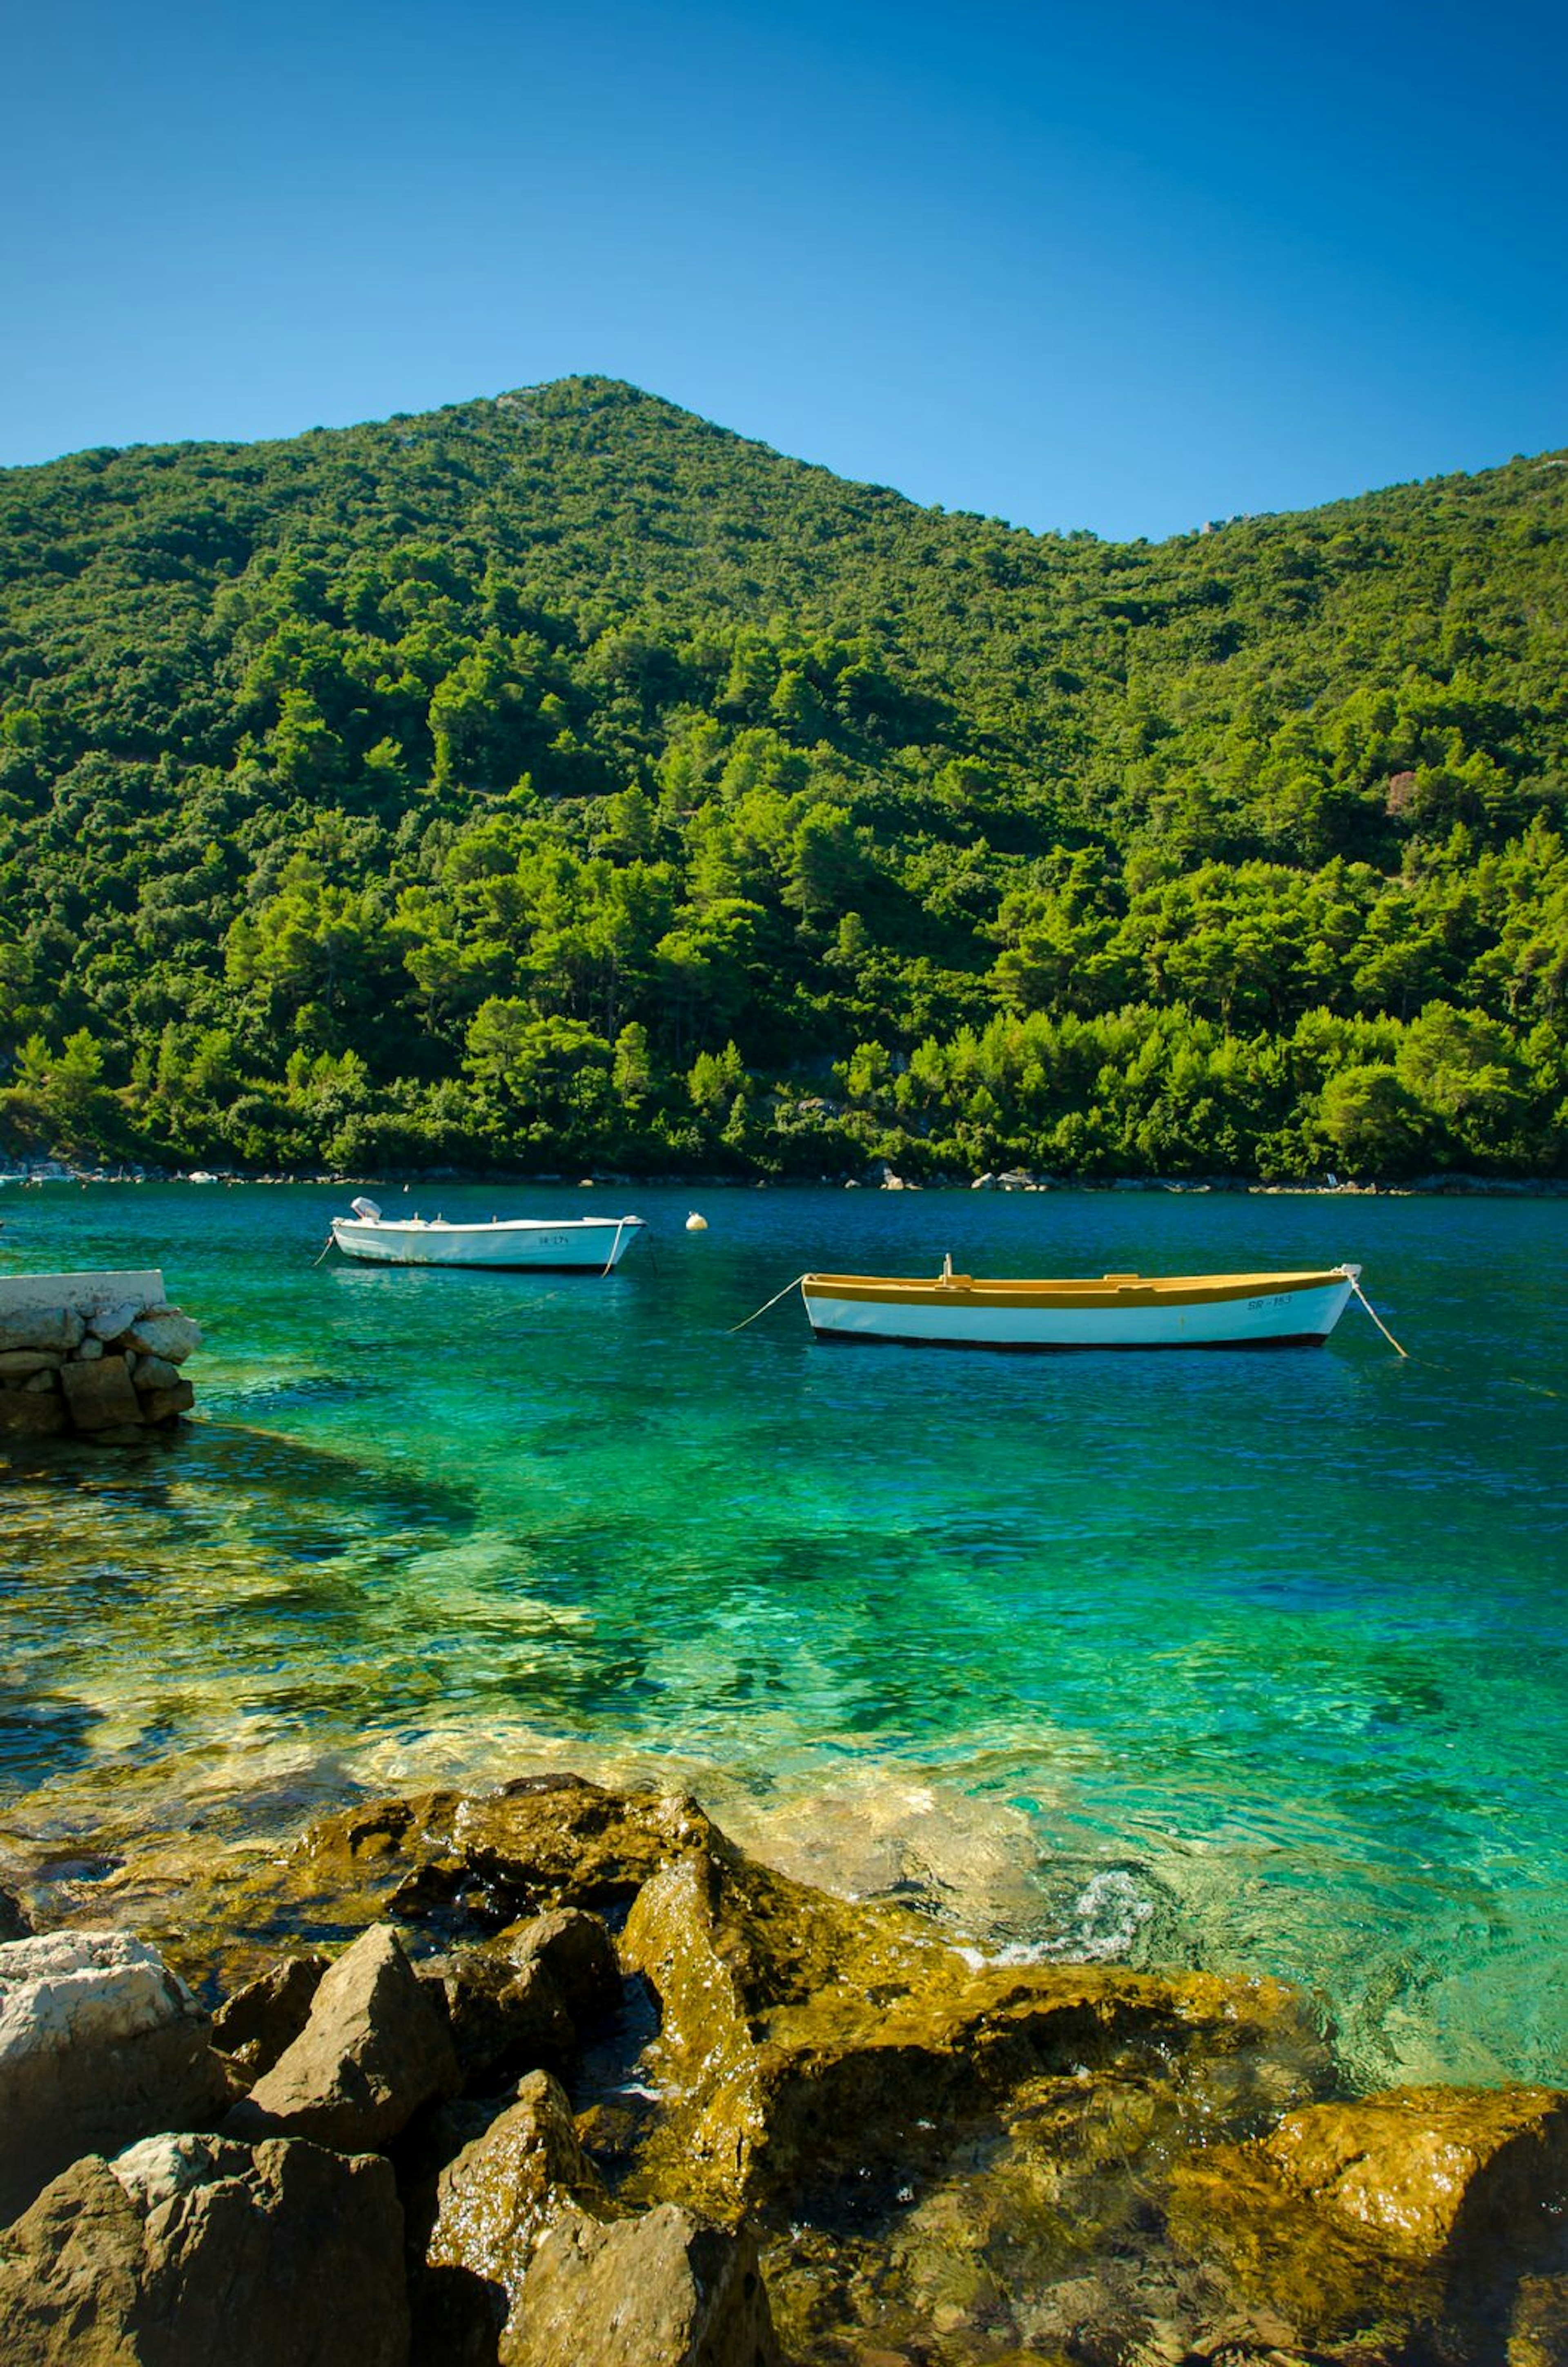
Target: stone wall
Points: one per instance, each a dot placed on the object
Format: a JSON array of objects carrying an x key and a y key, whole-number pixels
[{"x": 95, "y": 1354}]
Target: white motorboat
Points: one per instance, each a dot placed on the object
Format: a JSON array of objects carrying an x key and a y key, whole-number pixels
[
  {"x": 1118, "y": 1310},
  {"x": 506, "y": 1244}
]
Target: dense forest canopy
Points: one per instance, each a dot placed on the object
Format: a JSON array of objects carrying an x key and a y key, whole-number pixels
[{"x": 562, "y": 780}]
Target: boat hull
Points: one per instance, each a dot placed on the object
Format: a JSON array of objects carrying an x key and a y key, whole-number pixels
[
  {"x": 586, "y": 1244},
  {"x": 1183, "y": 1311}
]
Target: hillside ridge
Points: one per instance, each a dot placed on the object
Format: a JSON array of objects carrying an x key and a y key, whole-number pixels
[
  {"x": 559, "y": 774},
  {"x": 626, "y": 390}
]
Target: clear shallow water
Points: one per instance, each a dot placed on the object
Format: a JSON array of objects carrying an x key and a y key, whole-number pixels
[{"x": 1254, "y": 1661}]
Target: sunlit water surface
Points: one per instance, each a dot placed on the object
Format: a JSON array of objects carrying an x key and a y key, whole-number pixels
[{"x": 1254, "y": 1661}]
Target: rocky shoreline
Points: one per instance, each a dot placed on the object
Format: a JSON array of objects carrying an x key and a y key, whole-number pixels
[
  {"x": 878, "y": 1176},
  {"x": 560, "y": 2075}
]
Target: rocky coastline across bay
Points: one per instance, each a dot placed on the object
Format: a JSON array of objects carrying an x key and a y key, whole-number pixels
[
  {"x": 558, "y": 2073},
  {"x": 878, "y": 1176}
]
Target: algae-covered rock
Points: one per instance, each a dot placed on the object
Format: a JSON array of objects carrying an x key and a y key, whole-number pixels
[
  {"x": 1429, "y": 2172},
  {"x": 1415, "y": 2207},
  {"x": 189, "y": 2251},
  {"x": 373, "y": 2050},
  {"x": 542, "y": 1842},
  {"x": 659, "y": 2290},
  {"x": 1538, "y": 2331},
  {"x": 948, "y": 2162},
  {"x": 805, "y": 2040}
]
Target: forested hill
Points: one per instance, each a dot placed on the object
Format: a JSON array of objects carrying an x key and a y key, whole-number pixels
[{"x": 561, "y": 779}]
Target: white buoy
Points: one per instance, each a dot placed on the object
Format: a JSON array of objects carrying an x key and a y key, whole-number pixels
[{"x": 695, "y": 1224}]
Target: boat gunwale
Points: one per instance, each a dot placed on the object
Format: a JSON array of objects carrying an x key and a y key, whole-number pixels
[{"x": 487, "y": 1226}]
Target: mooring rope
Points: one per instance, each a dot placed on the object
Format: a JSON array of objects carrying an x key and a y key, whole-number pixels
[
  {"x": 762, "y": 1310},
  {"x": 1438, "y": 1364},
  {"x": 615, "y": 1247},
  {"x": 1377, "y": 1318},
  {"x": 326, "y": 1247}
]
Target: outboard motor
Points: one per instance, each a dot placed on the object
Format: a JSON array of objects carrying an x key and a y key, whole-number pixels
[{"x": 367, "y": 1210}]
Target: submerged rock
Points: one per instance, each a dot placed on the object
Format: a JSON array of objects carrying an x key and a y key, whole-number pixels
[
  {"x": 191, "y": 2252},
  {"x": 373, "y": 2050},
  {"x": 99, "y": 2044},
  {"x": 1432, "y": 2173}
]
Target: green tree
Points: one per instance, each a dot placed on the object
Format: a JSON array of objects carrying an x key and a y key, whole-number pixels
[{"x": 1370, "y": 1121}]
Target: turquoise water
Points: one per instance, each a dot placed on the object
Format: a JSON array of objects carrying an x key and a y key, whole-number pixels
[{"x": 1254, "y": 1661}]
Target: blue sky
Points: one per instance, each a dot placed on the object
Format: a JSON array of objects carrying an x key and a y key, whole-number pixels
[{"x": 1125, "y": 268}]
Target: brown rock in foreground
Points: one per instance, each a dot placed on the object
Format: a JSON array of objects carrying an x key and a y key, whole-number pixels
[
  {"x": 505, "y": 2019},
  {"x": 494, "y": 2201},
  {"x": 193, "y": 2252},
  {"x": 659, "y": 2291},
  {"x": 1432, "y": 2173},
  {"x": 99, "y": 2044},
  {"x": 259, "y": 2024},
  {"x": 1537, "y": 2330},
  {"x": 373, "y": 2050},
  {"x": 520, "y": 2001},
  {"x": 947, "y": 2163},
  {"x": 576, "y": 1951},
  {"x": 805, "y": 2040}
]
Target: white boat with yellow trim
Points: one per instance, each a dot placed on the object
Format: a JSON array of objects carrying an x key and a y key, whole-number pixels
[
  {"x": 506, "y": 1244},
  {"x": 1118, "y": 1310}
]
